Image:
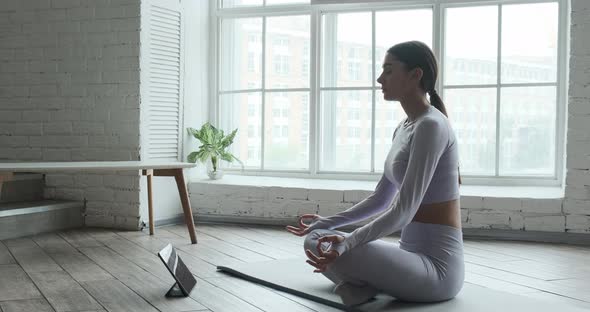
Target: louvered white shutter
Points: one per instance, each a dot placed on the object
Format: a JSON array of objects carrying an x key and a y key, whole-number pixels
[{"x": 164, "y": 64}]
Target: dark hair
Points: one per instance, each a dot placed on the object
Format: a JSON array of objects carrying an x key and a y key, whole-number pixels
[{"x": 416, "y": 54}]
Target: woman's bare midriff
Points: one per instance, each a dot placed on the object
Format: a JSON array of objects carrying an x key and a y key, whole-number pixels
[{"x": 445, "y": 213}]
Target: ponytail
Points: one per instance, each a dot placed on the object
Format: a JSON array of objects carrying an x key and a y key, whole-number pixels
[{"x": 437, "y": 102}]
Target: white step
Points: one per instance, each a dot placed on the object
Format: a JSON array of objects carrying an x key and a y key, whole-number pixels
[{"x": 30, "y": 218}]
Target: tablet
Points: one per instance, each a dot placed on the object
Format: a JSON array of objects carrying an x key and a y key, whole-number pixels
[{"x": 185, "y": 281}]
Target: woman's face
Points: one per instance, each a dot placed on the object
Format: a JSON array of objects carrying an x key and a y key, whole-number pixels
[{"x": 396, "y": 82}]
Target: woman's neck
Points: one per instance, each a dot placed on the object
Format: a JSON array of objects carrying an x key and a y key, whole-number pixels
[{"x": 415, "y": 106}]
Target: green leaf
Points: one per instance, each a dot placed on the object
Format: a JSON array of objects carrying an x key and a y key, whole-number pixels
[
  {"x": 227, "y": 141},
  {"x": 226, "y": 156},
  {"x": 229, "y": 157},
  {"x": 193, "y": 132},
  {"x": 208, "y": 135},
  {"x": 192, "y": 157},
  {"x": 203, "y": 155}
]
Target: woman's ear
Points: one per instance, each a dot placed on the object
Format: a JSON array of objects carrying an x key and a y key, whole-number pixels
[{"x": 417, "y": 73}]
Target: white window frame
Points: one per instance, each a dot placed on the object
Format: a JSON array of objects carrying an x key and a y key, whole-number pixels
[{"x": 315, "y": 12}]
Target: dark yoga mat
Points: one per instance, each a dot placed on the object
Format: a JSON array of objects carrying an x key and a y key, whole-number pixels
[{"x": 296, "y": 277}]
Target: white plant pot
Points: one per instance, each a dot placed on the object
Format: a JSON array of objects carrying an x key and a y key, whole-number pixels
[{"x": 214, "y": 175}]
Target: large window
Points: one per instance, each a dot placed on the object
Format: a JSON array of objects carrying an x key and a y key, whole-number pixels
[
  {"x": 500, "y": 80},
  {"x": 275, "y": 103},
  {"x": 299, "y": 81},
  {"x": 350, "y": 103}
]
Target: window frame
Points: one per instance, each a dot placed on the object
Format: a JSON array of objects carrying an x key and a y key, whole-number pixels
[{"x": 438, "y": 8}]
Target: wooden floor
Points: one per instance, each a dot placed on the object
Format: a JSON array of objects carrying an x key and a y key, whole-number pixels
[{"x": 104, "y": 270}]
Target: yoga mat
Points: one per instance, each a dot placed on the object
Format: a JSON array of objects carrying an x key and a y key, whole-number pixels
[{"x": 296, "y": 277}]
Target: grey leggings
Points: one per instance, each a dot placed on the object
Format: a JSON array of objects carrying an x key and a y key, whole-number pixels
[{"x": 426, "y": 267}]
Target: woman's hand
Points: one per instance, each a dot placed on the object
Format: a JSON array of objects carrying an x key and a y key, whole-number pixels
[
  {"x": 303, "y": 228},
  {"x": 326, "y": 255}
]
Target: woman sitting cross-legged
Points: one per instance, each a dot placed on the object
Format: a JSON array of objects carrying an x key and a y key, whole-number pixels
[{"x": 418, "y": 195}]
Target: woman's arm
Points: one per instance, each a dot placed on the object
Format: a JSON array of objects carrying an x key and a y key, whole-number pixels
[
  {"x": 429, "y": 141},
  {"x": 374, "y": 204}
]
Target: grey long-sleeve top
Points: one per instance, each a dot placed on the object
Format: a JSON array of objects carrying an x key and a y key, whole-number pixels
[{"x": 421, "y": 168}]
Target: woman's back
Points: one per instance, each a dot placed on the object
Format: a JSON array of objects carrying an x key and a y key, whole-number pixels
[{"x": 440, "y": 203}]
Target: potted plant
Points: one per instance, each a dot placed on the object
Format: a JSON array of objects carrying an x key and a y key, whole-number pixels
[{"x": 213, "y": 149}]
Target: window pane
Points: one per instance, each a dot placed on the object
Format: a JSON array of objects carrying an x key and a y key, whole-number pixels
[
  {"x": 388, "y": 115},
  {"x": 472, "y": 113},
  {"x": 243, "y": 111},
  {"x": 286, "y": 39},
  {"x": 241, "y": 54},
  {"x": 345, "y": 139},
  {"x": 471, "y": 47},
  {"x": 239, "y": 3},
  {"x": 286, "y": 141},
  {"x": 385, "y": 38},
  {"x": 347, "y": 49},
  {"x": 529, "y": 49},
  {"x": 527, "y": 131}
]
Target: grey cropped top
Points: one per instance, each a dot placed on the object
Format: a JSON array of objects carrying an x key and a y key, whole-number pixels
[{"x": 421, "y": 168}]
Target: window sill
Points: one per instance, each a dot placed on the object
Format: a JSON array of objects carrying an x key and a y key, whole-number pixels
[{"x": 540, "y": 192}]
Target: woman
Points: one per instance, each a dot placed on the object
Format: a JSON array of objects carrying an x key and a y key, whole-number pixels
[{"x": 417, "y": 194}]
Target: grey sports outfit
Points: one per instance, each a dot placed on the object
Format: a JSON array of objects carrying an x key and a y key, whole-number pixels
[{"x": 421, "y": 168}]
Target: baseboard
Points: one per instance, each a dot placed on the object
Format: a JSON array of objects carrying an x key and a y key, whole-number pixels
[
  {"x": 491, "y": 234},
  {"x": 529, "y": 236},
  {"x": 161, "y": 222},
  {"x": 206, "y": 218}
]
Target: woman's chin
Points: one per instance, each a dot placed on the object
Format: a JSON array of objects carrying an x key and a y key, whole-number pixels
[{"x": 388, "y": 97}]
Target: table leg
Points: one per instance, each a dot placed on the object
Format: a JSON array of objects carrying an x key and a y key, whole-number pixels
[
  {"x": 150, "y": 175},
  {"x": 186, "y": 205}
]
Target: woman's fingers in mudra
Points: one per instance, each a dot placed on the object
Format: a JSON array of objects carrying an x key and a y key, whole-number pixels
[
  {"x": 303, "y": 228},
  {"x": 325, "y": 255},
  {"x": 321, "y": 262},
  {"x": 307, "y": 216},
  {"x": 328, "y": 240},
  {"x": 297, "y": 231}
]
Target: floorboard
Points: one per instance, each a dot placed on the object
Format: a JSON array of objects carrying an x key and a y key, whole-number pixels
[
  {"x": 15, "y": 284},
  {"x": 30, "y": 305},
  {"x": 104, "y": 270},
  {"x": 63, "y": 292}
]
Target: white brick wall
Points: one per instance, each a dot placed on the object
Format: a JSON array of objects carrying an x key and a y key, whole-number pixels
[
  {"x": 227, "y": 199},
  {"x": 553, "y": 206},
  {"x": 490, "y": 219},
  {"x": 545, "y": 223},
  {"x": 69, "y": 87},
  {"x": 502, "y": 204},
  {"x": 288, "y": 193},
  {"x": 569, "y": 214},
  {"x": 576, "y": 206},
  {"x": 326, "y": 196}
]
